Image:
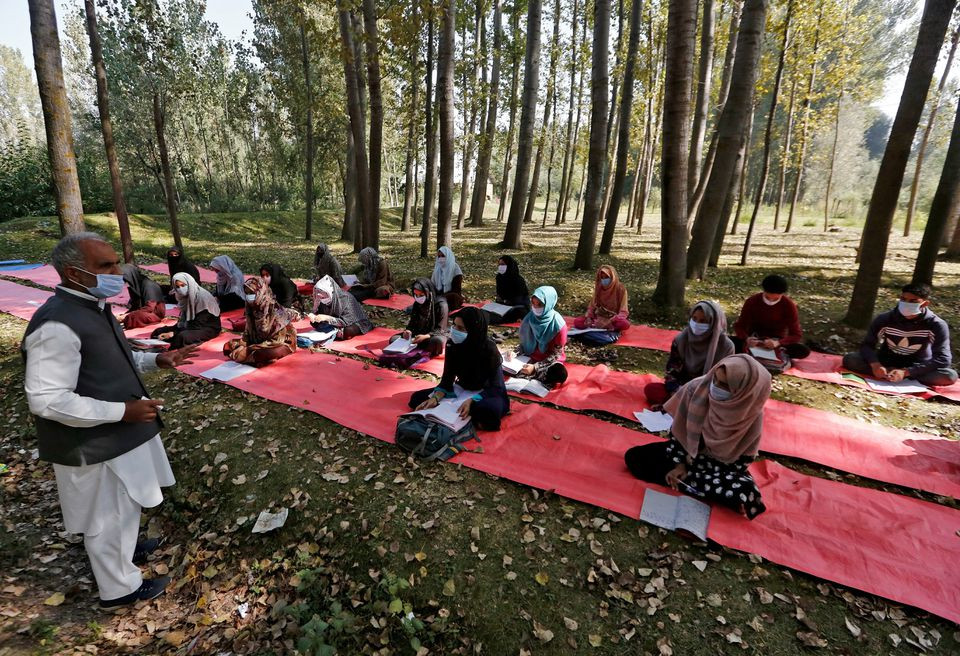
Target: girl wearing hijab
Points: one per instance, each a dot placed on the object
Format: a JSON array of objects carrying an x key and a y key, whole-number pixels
[
  {"x": 472, "y": 361},
  {"x": 177, "y": 262},
  {"x": 229, "y": 292},
  {"x": 608, "y": 308},
  {"x": 284, "y": 289},
  {"x": 511, "y": 290},
  {"x": 335, "y": 308},
  {"x": 447, "y": 278},
  {"x": 543, "y": 336},
  {"x": 428, "y": 319},
  {"x": 695, "y": 350},
  {"x": 146, "y": 299},
  {"x": 717, "y": 421},
  {"x": 199, "y": 314},
  {"x": 325, "y": 264},
  {"x": 269, "y": 334},
  {"x": 376, "y": 279}
]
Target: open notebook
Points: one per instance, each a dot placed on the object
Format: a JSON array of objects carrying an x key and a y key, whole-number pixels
[
  {"x": 498, "y": 309},
  {"x": 526, "y": 386},
  {"x": 675, "y": 513},
  {"x": 514, "y": 364},
  {"x": 399, "y": 345},
  {"x": 447, "y": 411}
]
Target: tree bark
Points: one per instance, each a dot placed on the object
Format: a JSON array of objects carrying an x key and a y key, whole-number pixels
[
  {"x": 732, "y": 128},
  {"x": 479, "y": 200},
  {"x": 785, "y": 155},
  {"x": 448, "y": 33},
  {"x": 567, "y": 189},
  {"x": 566, "y": 168},
  {"x": 528, "y": 112},
  {"x": 308, "y": 170},
  {"x": 410, "y": 181},
  {"x": 623, "y": 139},
  {"x": 681, "y": 38},
  {"x": 349, "y": 230},
  {"x": 833, "y": 161},
  {"x": 549, "y": 112},
  {"x": 106, "y": 126},
  {"x": 372, "y": 216},
  {"x": 56, "y": 115},
  {"x": 169, "y": 190},
  {"x": 514, "y": 83},
  {"x": 474, "y": 111},
  {"x": 702, "y": 102},
  {"x": 431, "y": 148},
  {"x": 883, "y": 202}
]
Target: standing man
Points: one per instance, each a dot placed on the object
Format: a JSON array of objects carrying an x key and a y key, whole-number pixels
[{"x": 95, "y": 420}]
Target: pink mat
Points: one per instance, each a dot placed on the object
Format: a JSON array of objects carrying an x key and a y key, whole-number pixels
[
  {"x": 21, "y": 301},
  {"x": 47, "y": 276},
  {"x": 206, "y": 275},
  {"x": 395, "y": 302},
  {"x": 893, "y": 546}
]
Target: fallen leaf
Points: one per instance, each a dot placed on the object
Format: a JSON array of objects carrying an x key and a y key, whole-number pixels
[
  {"x": 449, "y": 588},
  {"x": 853, "y": 628},
  {"x": 542, "y": 633},
  {"x": 542, "y": 578},
  {"x": 700, "y": 564},
  {"x": 54, "y": 600},
  {"x": 571, "y": 624},
  {"x": 175, "y": 638},
  {"x": 811, "y": 639},
  {"x": 594, "y": 640}
]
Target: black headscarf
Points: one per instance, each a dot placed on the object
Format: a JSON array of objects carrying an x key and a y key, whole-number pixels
[
  {"x": 511, "y": 287},
  {"x": 177, "y": 262},
  {"x": 426, "y": 317},
  {"x": 284, "y": 289},
  {"x": 476, "y": 361},
  {"x": 142, "y": 289}
]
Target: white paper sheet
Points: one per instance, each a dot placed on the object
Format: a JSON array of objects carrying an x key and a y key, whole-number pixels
[
  {"x": 675, "y": 512},
  {"x": 497, "y": 308},
  {"x": 513, "y": 365},
  {"x": 526, "y": 386},
  {"x": 147, "y": 342},
  {"x": 318, "y": 337},
  {"x": 579, "y": 331},
  {"x": 270, "y": 521},
  {"x": 905, "y": 386},
  {"x": 654, "y": 421},
  {"x": 399, "y": 345},
  {"x": 227, "y": 371},
  {"x": 766, "y": 354},
  {"x": 350, "y": 280}
]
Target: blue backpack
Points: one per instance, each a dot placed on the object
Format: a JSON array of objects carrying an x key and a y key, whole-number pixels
[
  {"x": 597, "y": 337},
  {"x": 431, "y": 440}
]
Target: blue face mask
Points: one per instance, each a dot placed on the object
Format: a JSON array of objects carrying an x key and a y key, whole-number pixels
[
  {"x": 698, "y": 328},
  {"x": 605, "y": 282},
  {"x": 457, "y": 336},
  {"x": 108, "y": 284},
  {"x": 250, "y": 298},
  {"x": 718, "y": 393}
]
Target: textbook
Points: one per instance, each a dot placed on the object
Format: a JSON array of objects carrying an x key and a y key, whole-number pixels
[
  {"x": 497, "y": 308},
  {"x": 654, "y": 421},
  {"x": 399, "y": 345},
  {"x": 349, "y": 280},
  {"x": 526, "y": 386},
  {"x": 145, "y": 342},
  {"x": 317, "y": 337},
  {"x": 579, "y": 331},
  {"x": 764, "y": 353},
  {"x": 447, "y": 412},
  {"x": 675, "y": 512},
  {"x": 514, "y": 364}
]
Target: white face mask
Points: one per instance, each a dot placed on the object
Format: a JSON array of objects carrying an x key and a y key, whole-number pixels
[
  {"x": 420, "y": 300},
  {"x": 698, "y": 328},
  {"x": 769, "y": 302},
  {"x": 537, "y": 311},
  {"x": 908, "y": 309},
  {"x": 718, "y": 393},
  {"x": 180, "y": 291},
  {"x": 325, "y": 300},
  {"x": 441, "y": 260},
  {"x": 502, "y": 269},
  {"x": 250, "y": 298}
]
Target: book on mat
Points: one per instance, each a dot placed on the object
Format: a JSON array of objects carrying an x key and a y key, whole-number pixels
[
  {"x": 526, "y": 386},
  {"x": 350, "y": 280},
  {"x": 675, "y": 513},
  {"x": 905, "y": 386},
  {"x": 227, "y": 371},
  {"x": 654, "y": 422},
  {"x": 147, "y": 342},
  {"x": 571, "y": 332},
  {"x": 447, "y": 412},
  {"x": 497, "y": 308},
  {"x": 513, "y": 365},
  {"x": 764, "y": 353},
  {"x": 399, "y": 345},
  {"x": 319, "y": 337}
]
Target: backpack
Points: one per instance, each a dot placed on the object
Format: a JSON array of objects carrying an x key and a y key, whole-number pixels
[
  {"x": 597, "y": 337},
  {"x": 431, "y": 440},
  {"x": 401, "y": 360}
]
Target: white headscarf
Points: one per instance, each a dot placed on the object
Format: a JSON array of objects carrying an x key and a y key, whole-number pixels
[
  {"x": 324, "y": 286},
  {"x": 443, "y": 274},
  {"x": 196, "y": 300}
]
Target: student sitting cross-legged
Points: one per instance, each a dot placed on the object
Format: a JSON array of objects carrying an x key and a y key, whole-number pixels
[
  {"x": 283, "y": 288},
  {"x": 429, "y": 317},
  {"x": 909, "y": 341},
  {"x": 608, "y": 308},
  {"x": 335, "y": 308},
  {"x": 543, "y": 336},
  {"x": 375, "y": 277},
  {"x": 770, "y": 320},
  {"x": 717, "y": 421},
  {"x": 229, "y": 290},
  {"x": 199, "y": 314},
  {"x": 447, "y": 278},
  {"x": 473, "y": 362},
  {"x": 511, "y": 290},
  {"x": 700, "y": 345},
  {"x": 269, "y": 333},
  {"x": 326, "y": 264},
  {"x": 146, "y": 298}
]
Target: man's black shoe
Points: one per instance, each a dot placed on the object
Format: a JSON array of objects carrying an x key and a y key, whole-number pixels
[
  {"x": 149, "y": 589},
  {"x": 143, "y": 549}
]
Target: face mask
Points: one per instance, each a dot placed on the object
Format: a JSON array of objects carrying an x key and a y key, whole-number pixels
[
  {"x": 180, "y": 291},
  {"x": 769, "y": 302},
  {"x": 502, "y": 269},
  {"x": 108, "y": 284},
  {"x": 325, "y": 300},
  {"x": 605, "y": 282},
  {"x": 698, "y": 328},
  {"x": 250, "y": 298},
  {"x": 441, "y": 261},
  {"x": 718, "y": 393},
  {"x": 266, "y": 280},
  {"x": 457, "y": 336},
  {"x": 908, "y": 309},
  {"x": 420, "y": 300},
  {"x": 537, "y": 311}
]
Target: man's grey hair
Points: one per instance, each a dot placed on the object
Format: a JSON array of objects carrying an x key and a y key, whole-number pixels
[{"x": 67, "y": 252}]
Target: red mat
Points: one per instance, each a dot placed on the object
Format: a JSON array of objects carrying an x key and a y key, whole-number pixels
[
  {"x": 206, "y": 275},
  {"x": 21, "y": 301},
  {"x": 47, "y": 276},
  {"x": 395, "y": 302},
  {"x": 893, "y": 546}
]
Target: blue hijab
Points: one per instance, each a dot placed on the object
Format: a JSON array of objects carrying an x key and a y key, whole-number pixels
[{"x": 537, "y": 332}]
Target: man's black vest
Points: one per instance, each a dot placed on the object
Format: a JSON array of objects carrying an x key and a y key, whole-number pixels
[{"x": 107, "y": 373}]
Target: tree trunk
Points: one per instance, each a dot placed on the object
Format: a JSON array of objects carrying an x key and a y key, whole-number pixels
[
  {"x": 833, "y": 161},
  {"x": 702, "y": 102},
  {"x": 514, "y": 83},
  {"x": 552, "y": 105},
  {"x": 768, "y": 135},
  {"x": 547, "y": 113},
  {"x": 410, "y": 181},
  {"x": 349, "y": 230},
  {"x": 599, "y": 88},
  {"x": 883, "y": 202},
  {"x": 946, "y": 203},
  {"x": 475, "y": 99},
  {"x": 742, "y": 192},
  {"x": 732, "y": 128},
  {"x": 308, "y": 170},
  {"x": 448, "y": 32},
  {"x": 733, "y": 193},
  {"x": 623, "y": 139},
  {"x": 681, "y": 39},
  {"x": 922, "y": 148},
  {"x": 567, "y": 189},
  {"x": 106, "y": 126},
  {"x": 431, "y": 138},
  {"x": 56, "y": 115},
  {"x": 566, "y": 168},
  {"x": 169, "y": 190},
  {"x": 372, "y": 216},
  {"x": 479, "y": 199},
  {"x": 785, "y": 155},
  {"x": 528, "y": 115}
]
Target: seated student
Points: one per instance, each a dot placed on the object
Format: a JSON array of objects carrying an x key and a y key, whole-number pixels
[
  {"x": 429, "y": 317},
  {"x": 447, "y": 278},
  {"x": 909, "y": 341},
  {"x": 325, "y": 264},
  {"x": 283, "y": 288},
  {"x": 229, "y": 291},
  {"x": 146, "y": 298},
  {"x": 608, "y": 308},
  {"x": 770, "y": 320},
  {"x": 473, "y": 361},
  {"x": 717, "y": 421},
  {"x": 269, "y": 334},
  {"x": 337, "y": 309},
  {"x": 177, "y": 262},
  {"x": 511, "y": 290},
  {"x": 375, "y": 277},
  {"x": 695, "y": 350},
  {"x": 199, "y": 315},
  {"x": 543, "y": 336}
]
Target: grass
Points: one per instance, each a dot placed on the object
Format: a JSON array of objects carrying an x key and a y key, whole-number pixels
[{"x": 490, "y": 566}]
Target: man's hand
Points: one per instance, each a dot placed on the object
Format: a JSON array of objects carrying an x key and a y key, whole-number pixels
[
  {"x": 464, "y": 410},
  {"x": 675, "y": 475},
  {"x": 896, "y": 375},
  {"x": 771, "y": 343},
  {"x": 879, "y": 371},
  {"x": 175, "y": 358},
  {"x": 752, "y": 341},
  {"x": 142, "y": 411}
]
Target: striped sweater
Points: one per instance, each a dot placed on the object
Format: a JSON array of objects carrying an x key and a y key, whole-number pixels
[{"x": 919, "y": 345}]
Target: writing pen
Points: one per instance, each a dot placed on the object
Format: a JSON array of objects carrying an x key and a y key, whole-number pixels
[
  {"x": 692, "y": 489},
  {"x": 144, "y": 398}
]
